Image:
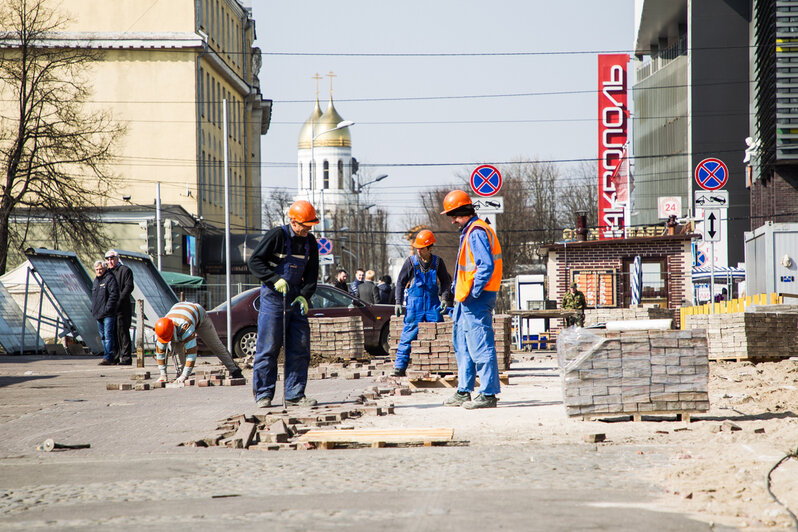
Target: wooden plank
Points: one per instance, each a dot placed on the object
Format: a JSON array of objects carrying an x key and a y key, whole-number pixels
[
  {"x": 446, "y": 381},
  {"x": 382, "y": 436}
]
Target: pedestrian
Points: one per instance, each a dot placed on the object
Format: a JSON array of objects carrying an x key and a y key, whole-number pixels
[
  {"x": 340, "y": 280},
  {"x": 385, "y": 289},
  {"x": 180, "y": 328},
  {"x": 478, "y": 276},
  {"x": 429, "y": 294},
  {"x": 104, "y": 299},
  {"x": 367, "y": 291},
  {"x": 124, "y": 310},
  {"x": 574, "y": 299},
  {"x": 287, "y": 263},
  {"x": 360, "y": 274}
]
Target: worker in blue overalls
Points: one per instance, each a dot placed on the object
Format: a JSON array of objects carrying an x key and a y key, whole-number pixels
[
  {"x": 287, "y": 263},
  {"x": 424, "y": 278}
]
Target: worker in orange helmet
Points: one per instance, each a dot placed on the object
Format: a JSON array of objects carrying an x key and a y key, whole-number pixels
[
  {"x": 180, "y": 328},
  {"x": 423, "y": 278},
  {"x": 477, "y": 279},
  {"x": 287, "y": 263}
]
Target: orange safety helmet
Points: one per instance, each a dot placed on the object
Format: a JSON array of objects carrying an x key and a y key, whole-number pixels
[
  {"x": 455, "y": 199},
  {"x": 303, "y": 212},
  {"x": 164, "y": 328},
  {"x": 424, "y": 239}
]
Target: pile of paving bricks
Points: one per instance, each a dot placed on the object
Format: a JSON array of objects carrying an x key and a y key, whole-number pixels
[
  {"x": 432, "y": 351},
  {"x": 279, "y": 429},
  {"x": 603, "y": 315},
  {"x": 337, "y": 338},
  {"x": 634, "y": 372},
  {"x": 350, "y": 370},
  {"x": 200, "y": 378},
  {"x": 754, "y": 336}
]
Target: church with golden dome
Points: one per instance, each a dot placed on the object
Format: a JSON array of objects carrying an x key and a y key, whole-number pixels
[{"x": 325, "y": 164}]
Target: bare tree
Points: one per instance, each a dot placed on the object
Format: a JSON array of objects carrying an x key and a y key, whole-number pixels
[
  {"x": 54, "y": 152},
  {"x": 578, "y": 192},
  {"x": 276, "y": 207}
]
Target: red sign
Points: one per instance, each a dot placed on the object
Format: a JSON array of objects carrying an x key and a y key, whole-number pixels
[
  {"x": 486, "y": 180},
  {"x": 613, "y": 114}
]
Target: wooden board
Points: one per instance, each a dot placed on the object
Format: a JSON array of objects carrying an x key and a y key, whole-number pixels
[
  {"x": 638, "y": 416},
  {"x": 445, "y": 381},
  {"x": 377, "y": 436}
]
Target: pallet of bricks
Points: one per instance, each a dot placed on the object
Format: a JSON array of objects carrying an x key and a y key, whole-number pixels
[
  {"x": 603, "y": 315},
  {"x": 337, "y": 338},
  {"x": 760, "y": 333},
  {"x": 633, "y": 372},
  {"x": 432, "y": 351}
]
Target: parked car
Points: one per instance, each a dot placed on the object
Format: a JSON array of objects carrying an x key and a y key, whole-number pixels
[{"x": 327, "y": 302}]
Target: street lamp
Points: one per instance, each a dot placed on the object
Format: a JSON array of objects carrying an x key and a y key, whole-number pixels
[
  {"x": 367, "y": 207},
  {"x": 378, "y": 178}
]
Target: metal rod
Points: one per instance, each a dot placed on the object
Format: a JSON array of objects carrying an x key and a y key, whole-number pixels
[{"x": 227, "y": 272}]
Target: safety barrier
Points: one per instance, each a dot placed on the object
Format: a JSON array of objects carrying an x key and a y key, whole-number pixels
[{"x": 733, "y": 305}]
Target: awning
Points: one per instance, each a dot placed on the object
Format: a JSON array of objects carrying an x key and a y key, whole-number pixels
[
  {"x": 182, "y": 279},
  {"x": 722, "y": 273}
]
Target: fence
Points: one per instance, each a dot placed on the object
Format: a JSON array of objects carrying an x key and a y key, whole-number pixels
[
  {"x": 210, "y": 295},
  {"x": 733, "y": 305}
]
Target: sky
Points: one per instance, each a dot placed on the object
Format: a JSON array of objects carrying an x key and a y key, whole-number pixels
[{"x": 412, "y": 119}]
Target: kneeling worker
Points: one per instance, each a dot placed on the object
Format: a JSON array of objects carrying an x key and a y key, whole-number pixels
[
  {"x": 180, "y": 327},
  {"x": 420, "y": 274}
]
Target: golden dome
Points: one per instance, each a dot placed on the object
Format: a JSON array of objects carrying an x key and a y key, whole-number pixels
[{"x": 324, "y": 122}]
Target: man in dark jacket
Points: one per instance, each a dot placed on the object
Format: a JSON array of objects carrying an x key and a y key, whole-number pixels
[
  {"x": 386, "y": 290},
  {"x": 104, "y": 299},
  {"x": 367, "y": 291},
  {"x": 359, "y": 275},
  {"x": 340, "y": 280},
  {"x": 124, "y": 311}
]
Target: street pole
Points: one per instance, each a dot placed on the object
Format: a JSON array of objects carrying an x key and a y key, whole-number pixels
[
  {"x": 158, "y": 223},
  {"x": 227, "y": 273}
]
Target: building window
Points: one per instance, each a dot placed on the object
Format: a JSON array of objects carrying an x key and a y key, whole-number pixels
[
  {"x": 326, "y": 175},
  {"x": 312, "y": 174},
  {"x": 219, "y": 104},
  {"x": 340, "y": 174},
  {"x": 202, "y": 92},
  {"x": 213, "y": 103}
]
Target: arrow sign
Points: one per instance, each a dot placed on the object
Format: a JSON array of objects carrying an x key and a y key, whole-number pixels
[
  {"x": 712, "y": 225},
  {"x": 711, "y": 219}
]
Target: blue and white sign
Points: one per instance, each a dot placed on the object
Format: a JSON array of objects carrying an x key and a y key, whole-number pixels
[
  {"x": 711, "y": 174},
  {"x": 325, "y": 246},
  {"x": 486, "y": 181}
]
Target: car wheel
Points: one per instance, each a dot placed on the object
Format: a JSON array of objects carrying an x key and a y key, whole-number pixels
[{"x": 245, "y": 342}]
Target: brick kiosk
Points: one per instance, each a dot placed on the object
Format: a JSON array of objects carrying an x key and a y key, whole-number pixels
[{"x": 601, "y": 268}]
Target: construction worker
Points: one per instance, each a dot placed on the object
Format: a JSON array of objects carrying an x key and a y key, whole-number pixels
[
  {"x": 574, "y": 299},
  {"x": 424, "y": 276},
  {"x": 287, "y": 263},
  {"x": 180, "y": 328},
  {"x": 478, "y": 275}
]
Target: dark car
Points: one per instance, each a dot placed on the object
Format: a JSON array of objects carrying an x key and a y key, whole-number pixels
[{"x": 327, "y": 302}]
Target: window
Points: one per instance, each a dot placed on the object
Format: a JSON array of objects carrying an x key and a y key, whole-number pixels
[
  {"x": 201, "y": 175},
  {"x": 213, "y": 103},
  {"x": 219, "y": 104},
  {"x": 207, "y": 97},
  {"x": 202, "y": 92},
  {"x": 326, "y": 298},
  {"x": 326, "y": 175},
  {"x": 340, "y": 174}
]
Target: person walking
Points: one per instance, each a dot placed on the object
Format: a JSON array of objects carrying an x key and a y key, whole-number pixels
[
  {"x": 367, "y": 291},
  {"x": 104, "y": 300},
  {"x": 425, "y": 277},
  {"x": 359, "y": 276},
  {"x": 574, "y": 299},
  {"x": 287, "y": 263},
  {"x": 180, "y": 328},
  {"x": 386, "y": 290},
  {"x": 340, "y": 280},
  {"x": 478, "y": 275},
  {"x": 124, "y": 310}
]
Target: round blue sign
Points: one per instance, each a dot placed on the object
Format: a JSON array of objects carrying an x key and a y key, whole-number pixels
[
  {"x": 711, "y": 174},
  {"x": 486, "y": 180},
  {"x": 325, "y": 246}
]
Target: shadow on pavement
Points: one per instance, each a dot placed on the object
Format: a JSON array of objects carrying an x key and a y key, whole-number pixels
[
  {"x": 748, "y": 417},
  {"x": 8, "y": 381}
]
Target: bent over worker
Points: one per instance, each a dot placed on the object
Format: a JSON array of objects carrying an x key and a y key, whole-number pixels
[
  {"x": 420, "y": 275},
  {"x": 287, "y": 263},
  {"x": 180, "y": 328},
  {"x": 478, "y": 275}
]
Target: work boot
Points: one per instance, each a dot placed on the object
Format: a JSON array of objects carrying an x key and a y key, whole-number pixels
[
  {"x": 236, "y": 374},
  {"x": 264, "y": 402},
  {"x": 301, "y": 401},
  {"x": 458, "y": 399},
  {"x": 399, "y": 372},
  {"x": 481, "y": 401},
  {"x": 126, "y": 362},
  {"x": 163, "y": 378},
  {"x": 106, "y": 362}
]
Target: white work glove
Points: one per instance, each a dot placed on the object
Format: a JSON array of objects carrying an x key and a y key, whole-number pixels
[
  {"x": 281, "y": 286},
  {"x": 397, "y": 309},
  {"x": 303, "y": 304}
]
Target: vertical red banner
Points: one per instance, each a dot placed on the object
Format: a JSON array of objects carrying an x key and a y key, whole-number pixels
[{"x": 613, "y": 117}]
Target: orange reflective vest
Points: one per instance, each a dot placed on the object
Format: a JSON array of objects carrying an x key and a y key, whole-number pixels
[{"x": 467, "y": 268}]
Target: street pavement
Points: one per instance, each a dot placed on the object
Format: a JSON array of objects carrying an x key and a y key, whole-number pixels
[{"x": 135, "y": 475}]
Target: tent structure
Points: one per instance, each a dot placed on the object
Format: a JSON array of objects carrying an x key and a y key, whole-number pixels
[
  {"x": 723, "y": 274},
  {"x": 179, "y": 280}
]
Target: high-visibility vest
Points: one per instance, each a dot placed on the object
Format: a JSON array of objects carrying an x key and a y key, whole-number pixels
[{"x": 466, "y": 267}]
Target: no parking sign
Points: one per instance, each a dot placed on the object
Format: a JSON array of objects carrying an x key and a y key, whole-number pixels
[{"x": 486, "y": 180}]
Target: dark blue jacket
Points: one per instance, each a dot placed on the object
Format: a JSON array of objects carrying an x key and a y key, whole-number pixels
[{"x": 104, "y": 296}]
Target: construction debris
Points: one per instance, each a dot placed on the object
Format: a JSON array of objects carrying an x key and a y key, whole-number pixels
[{"x": 49, "y": 445}]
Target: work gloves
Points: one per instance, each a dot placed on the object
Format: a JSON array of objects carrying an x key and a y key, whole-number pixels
[
  {"x": 281, "y": 286},
  {"x": 443, "y": 307},
  {"x": 303, "y": 303},
  {"x": 397, "y": 309}
]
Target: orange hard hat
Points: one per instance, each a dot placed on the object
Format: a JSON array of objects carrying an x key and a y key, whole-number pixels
[
  {"x": 303, "y": 212},
  {"x": 164, "y": 328},
  {"x": 424, "y": 239},
  {"x": 455, "y": 199}
]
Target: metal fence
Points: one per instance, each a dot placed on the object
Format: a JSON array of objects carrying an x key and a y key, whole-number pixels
[{"x": 211, "y": 295}]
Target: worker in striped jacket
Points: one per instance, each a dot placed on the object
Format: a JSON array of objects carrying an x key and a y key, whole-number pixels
[{"x": 180, "y": 327}]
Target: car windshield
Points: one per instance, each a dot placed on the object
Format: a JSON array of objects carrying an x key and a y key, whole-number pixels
[
  {"x": 328, "y": 298},
  {"x": 236, "y": 299}
]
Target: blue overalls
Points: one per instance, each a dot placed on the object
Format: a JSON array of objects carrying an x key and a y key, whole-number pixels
[
  {"x": 270, "y": 331},
  {"x": 422, "y": 301}
]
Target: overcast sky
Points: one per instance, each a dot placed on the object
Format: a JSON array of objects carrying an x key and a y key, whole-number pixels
[{"x": 410, "y": 110}]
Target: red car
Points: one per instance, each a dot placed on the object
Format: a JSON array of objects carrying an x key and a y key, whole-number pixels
[{"x": 327, "y": 302}]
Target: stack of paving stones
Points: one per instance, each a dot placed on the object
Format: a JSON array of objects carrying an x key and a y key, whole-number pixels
[
  {"x": 350, "y": 370},
  {"x": 336, "y": 338},
  {"x": 603, "y": 315},
  {"x": 634, "y": 372},
  {"x": 754, "y": 336},
  {"x": 277, "y": 429},
  {"x": 432, "y": 351},
  {"x": 200, "y": 378}
]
